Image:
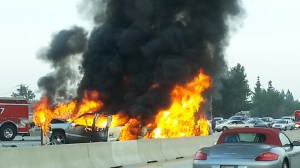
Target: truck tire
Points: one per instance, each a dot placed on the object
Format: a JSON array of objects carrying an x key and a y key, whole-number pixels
[
  {"x": 7, "y": 133},
  {"x": 58, "y": 137}
]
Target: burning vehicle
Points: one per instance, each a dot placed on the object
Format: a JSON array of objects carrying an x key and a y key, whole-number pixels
[
  {"x": 94, "y": 129},
  {"x": 149, "y": 64}
]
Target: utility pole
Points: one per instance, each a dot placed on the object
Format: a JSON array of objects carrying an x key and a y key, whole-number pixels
[
  {"x": 211, "y": 108},
  {"x": 42, "y": 136}
]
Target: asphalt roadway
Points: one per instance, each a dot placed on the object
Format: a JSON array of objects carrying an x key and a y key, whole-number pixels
[{"x": 33, "y": 140}]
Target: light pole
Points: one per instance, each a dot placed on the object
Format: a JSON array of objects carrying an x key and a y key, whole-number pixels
[{"x": 211, "y": 108}]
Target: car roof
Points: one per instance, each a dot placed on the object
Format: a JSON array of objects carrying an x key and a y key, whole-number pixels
[
  {"x": 271, "y": 134},
  {"x": 234, "y": 120}
]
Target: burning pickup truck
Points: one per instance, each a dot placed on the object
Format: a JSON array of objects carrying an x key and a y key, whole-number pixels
[{"x": 89, "y": 127}]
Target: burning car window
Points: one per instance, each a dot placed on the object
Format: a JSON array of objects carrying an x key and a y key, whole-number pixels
[
  {"x": 102, "y": 121},
  {"x": 84, "y": 120}
]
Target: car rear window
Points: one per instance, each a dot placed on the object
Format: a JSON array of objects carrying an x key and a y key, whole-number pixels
[{"x": 245, "y": 137}]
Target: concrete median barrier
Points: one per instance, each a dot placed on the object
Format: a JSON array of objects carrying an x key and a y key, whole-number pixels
[
  {"x": 100, "y": 155},
  {"x": 190, "y": 145},
  {"x": 150, "y": 150},
  {"x": 125, "y": 152},
  {"x": 172, "y": 148},
  {"x": 46, "y": 157}
]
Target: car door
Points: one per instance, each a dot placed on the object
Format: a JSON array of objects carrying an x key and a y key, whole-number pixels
[
  {"x": 289, "y": 124},
  {"x": 292, "y": 124},
  {"x": 76, "y": 134},
  {"x": 240, "y": 124},
  {"x": 99, "y": 133},
  {"x": 285, "y": 125},
  {"x": 293, "y": 152},
  {"x": 232, "y": 124},
  {"x": 79, "y": 133}
]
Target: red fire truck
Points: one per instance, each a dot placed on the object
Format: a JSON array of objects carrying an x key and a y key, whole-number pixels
[
  {"x": 14, "y": 118},
  {"x": 297, "y": 118}
]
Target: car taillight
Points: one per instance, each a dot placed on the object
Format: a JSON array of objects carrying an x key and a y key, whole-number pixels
[
  {"x": 200, "y": 156},
  {"x": 268, "y": 156}
]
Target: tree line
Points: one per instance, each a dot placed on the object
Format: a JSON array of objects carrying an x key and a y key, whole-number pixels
[{"x": 236, "y": 96}]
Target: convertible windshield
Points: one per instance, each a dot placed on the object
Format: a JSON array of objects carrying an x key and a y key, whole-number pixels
[{"x": 245, "y": 137}]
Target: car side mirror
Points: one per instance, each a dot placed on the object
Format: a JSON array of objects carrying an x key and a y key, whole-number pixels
[
  {"x": 296, "y": 143},
  {"x": 288, "y": 145}
]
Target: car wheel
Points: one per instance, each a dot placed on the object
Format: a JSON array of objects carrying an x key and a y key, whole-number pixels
[
  {"x": 225, "y": 128},
  {"x": 58, "y": 137},
  {"x": 285, "y": 128},
  {"x": 285, "y": 164},
  {"x": 292, "y": 127},
  {"x": 7, "y": 133}
]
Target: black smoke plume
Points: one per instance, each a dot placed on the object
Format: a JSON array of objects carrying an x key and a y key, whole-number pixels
[
  {"x": 62, "y": 56},
  {"x": 142, "y": 43},
  {"x": 139, "y": 49}
]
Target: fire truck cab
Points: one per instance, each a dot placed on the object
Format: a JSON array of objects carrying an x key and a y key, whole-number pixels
[
  {"x": 297, "y": 118},
  {"x": 14, "y": 118}
]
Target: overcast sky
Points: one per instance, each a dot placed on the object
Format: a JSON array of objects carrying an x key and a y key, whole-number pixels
[{"x": 266, "y": 43}]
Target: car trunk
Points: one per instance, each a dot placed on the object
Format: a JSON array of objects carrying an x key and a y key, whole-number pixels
[{"x": 237, "y": 150}]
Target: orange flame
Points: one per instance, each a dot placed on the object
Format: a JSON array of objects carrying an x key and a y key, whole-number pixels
[
  {"x": 131, "y": 130},
  {"x": 43, "y": 114},
  {"x": 119, "y": 119},
  {"x": 179, "y": 119}
]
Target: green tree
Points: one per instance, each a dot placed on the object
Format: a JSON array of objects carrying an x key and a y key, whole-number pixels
[
  {"x": 25, "y": 92},
  {"x": 235, "y": 93},
  {"x": 258, "y": 88},
  {"x": 290, "y": 105},
  {"x": 267, "y": 102},
  {"x": 257, "y": 98}
]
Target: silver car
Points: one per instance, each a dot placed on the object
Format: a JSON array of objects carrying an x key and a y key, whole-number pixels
[
  {"x": 230, "y": 124},
  {"x": 250, "y": 148},
  {"x": 68, "y": 132},
  {"x": 284, "y": 124}
]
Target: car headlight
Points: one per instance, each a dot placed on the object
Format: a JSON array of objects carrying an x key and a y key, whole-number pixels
[{"x": 297, "y": 125}]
